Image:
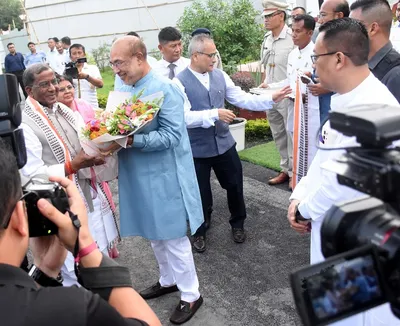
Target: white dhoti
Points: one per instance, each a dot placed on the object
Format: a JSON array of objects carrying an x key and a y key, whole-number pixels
[{"x": 176, "y": 263}]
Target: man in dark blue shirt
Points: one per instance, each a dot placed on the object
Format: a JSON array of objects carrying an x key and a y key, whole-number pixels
[{"x": 14, "y": 64}]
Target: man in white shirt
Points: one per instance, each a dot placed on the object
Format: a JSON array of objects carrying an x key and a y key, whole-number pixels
[
  {"x": 213, "y": 146},
  {"x": 51, "y": 56},
  {"x": 60, "y": 59},
  {"x": 89, "y": 77},
  {"x": 306, "y": 108},
  {"x": 66, "y": 43},
  {"x": 341, "y": 62},
  {"x": 170, "y": 45}
]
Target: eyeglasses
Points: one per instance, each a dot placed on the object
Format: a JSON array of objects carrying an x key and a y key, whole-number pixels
[
  {"x": 210, "y": 55},
  {"x": 119, "y": 63},
  {"x": 68, "y": 88},
  {"x": 46, "y": 84},
  {"x": 314, "y": 57},
  {"x": 267, "y": 17}
]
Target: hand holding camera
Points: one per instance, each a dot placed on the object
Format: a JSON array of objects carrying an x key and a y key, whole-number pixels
[{"x": 66, "y": 231}]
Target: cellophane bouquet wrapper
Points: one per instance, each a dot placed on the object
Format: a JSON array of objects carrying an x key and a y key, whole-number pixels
[{"x": 124, "y": 116}]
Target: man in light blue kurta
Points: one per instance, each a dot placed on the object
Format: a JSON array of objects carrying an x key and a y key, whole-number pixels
[{"x": 158, "y": 188}]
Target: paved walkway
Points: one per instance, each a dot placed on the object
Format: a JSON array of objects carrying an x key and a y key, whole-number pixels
[{"x": 242, "y": 284}]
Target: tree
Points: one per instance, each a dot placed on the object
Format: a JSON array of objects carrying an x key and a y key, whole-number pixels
[
  {"x": 235, "y": 30},
  {"x": 9, "y": 12}
]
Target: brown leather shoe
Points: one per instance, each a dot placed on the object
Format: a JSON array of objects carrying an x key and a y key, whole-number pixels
[{"x": 282, "y": 177}]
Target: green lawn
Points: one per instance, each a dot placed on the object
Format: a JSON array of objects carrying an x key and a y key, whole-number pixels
[
  {"x": 108, "y": 79},
  {"x": 265, "y": 155}
]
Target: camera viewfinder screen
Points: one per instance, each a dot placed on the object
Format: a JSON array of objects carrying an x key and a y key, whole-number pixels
[{"x": 343, "y": 287}]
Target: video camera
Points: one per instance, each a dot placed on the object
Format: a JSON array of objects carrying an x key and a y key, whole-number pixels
[
  {"x": 361, "y": 236},
  {"x": 39, "y": 186},
  {"x": 71, "y": 69}
]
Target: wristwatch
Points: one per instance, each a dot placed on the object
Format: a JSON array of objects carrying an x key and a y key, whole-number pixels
[
  {"x": 87, "y": 77},
  {"x": 44, "y": 280}
]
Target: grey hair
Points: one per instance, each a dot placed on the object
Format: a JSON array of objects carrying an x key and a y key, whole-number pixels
[
  {"x": 197, "y": 43},
  {"x": 30, "y": 73}
]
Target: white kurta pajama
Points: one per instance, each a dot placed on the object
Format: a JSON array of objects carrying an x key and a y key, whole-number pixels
[
  {"x": 158, "y": 188},
  {"x": 303, "y": 118},
  {"x": 319, "y": 190},
  {"x": 101, "y": 221}
]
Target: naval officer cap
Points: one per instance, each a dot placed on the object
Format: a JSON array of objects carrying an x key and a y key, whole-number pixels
[
  {"x": 271, "y": 6},
  {"x": 201, "y": 31}
]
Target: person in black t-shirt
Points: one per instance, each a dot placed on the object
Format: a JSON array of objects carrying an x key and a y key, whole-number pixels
[{"x": 23, "y": 301}]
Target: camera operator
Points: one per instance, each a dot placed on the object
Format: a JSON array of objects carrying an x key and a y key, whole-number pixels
[
  {"x": 23, "y": 301},
  {"x": 341, "y": 61},
  {"x": 89, "y": 76}
]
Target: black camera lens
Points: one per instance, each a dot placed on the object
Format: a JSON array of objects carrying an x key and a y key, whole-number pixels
[{"x": 360, "y": 222}]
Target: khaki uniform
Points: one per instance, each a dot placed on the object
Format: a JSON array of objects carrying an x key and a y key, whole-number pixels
[{"x": 274, "y": 58}]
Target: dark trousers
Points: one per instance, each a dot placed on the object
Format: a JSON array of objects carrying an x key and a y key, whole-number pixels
[
  {"x": 19, "y": 74},
  {"x": 228, "y": 170}
]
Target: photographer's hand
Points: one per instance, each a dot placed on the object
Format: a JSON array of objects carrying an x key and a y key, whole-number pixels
[
  {"x": 97, "y": 82},
  {"x": 48, "y": 254},
  {"x": 297, "y": 226},
  {"x": 66, "y": 231}
]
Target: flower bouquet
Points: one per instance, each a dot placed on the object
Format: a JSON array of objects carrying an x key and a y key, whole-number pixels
[{"x": 117, "y": 123}]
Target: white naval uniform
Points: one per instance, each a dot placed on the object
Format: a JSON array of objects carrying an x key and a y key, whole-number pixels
[
  {"x": 319, "y": 190},
  {"x": 298, "y": 60}
]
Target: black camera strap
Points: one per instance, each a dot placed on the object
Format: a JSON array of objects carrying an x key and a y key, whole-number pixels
[{"x": 77, "y": 224}]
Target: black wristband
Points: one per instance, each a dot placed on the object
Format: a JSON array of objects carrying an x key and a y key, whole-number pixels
[
  {"x": 103, "y": 279},
  {"x": 43, "y": 279}
]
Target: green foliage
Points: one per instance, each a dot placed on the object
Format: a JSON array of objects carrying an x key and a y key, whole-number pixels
[
  {"x": 9, "y": 14},
  {"x": 108, "y": 80},
  {"x": 258, "y": 129},
  {"x": 101, "y": 55},
  {"x": 233, "y": 25},
  {"x": 102, "y": 100}
]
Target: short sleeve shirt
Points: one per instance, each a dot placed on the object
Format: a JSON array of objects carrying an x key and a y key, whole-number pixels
[
  {"x": 88, "y": 90},
  {"x": 275, "y": 53}
]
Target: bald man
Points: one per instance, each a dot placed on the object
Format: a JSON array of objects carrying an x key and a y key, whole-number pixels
[
  {"x": 383, "y": 60},
  {"x": 158, "y": 190}
]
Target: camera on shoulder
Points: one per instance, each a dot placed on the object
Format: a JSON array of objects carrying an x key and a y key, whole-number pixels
[{"x": 360, "y": 238}]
